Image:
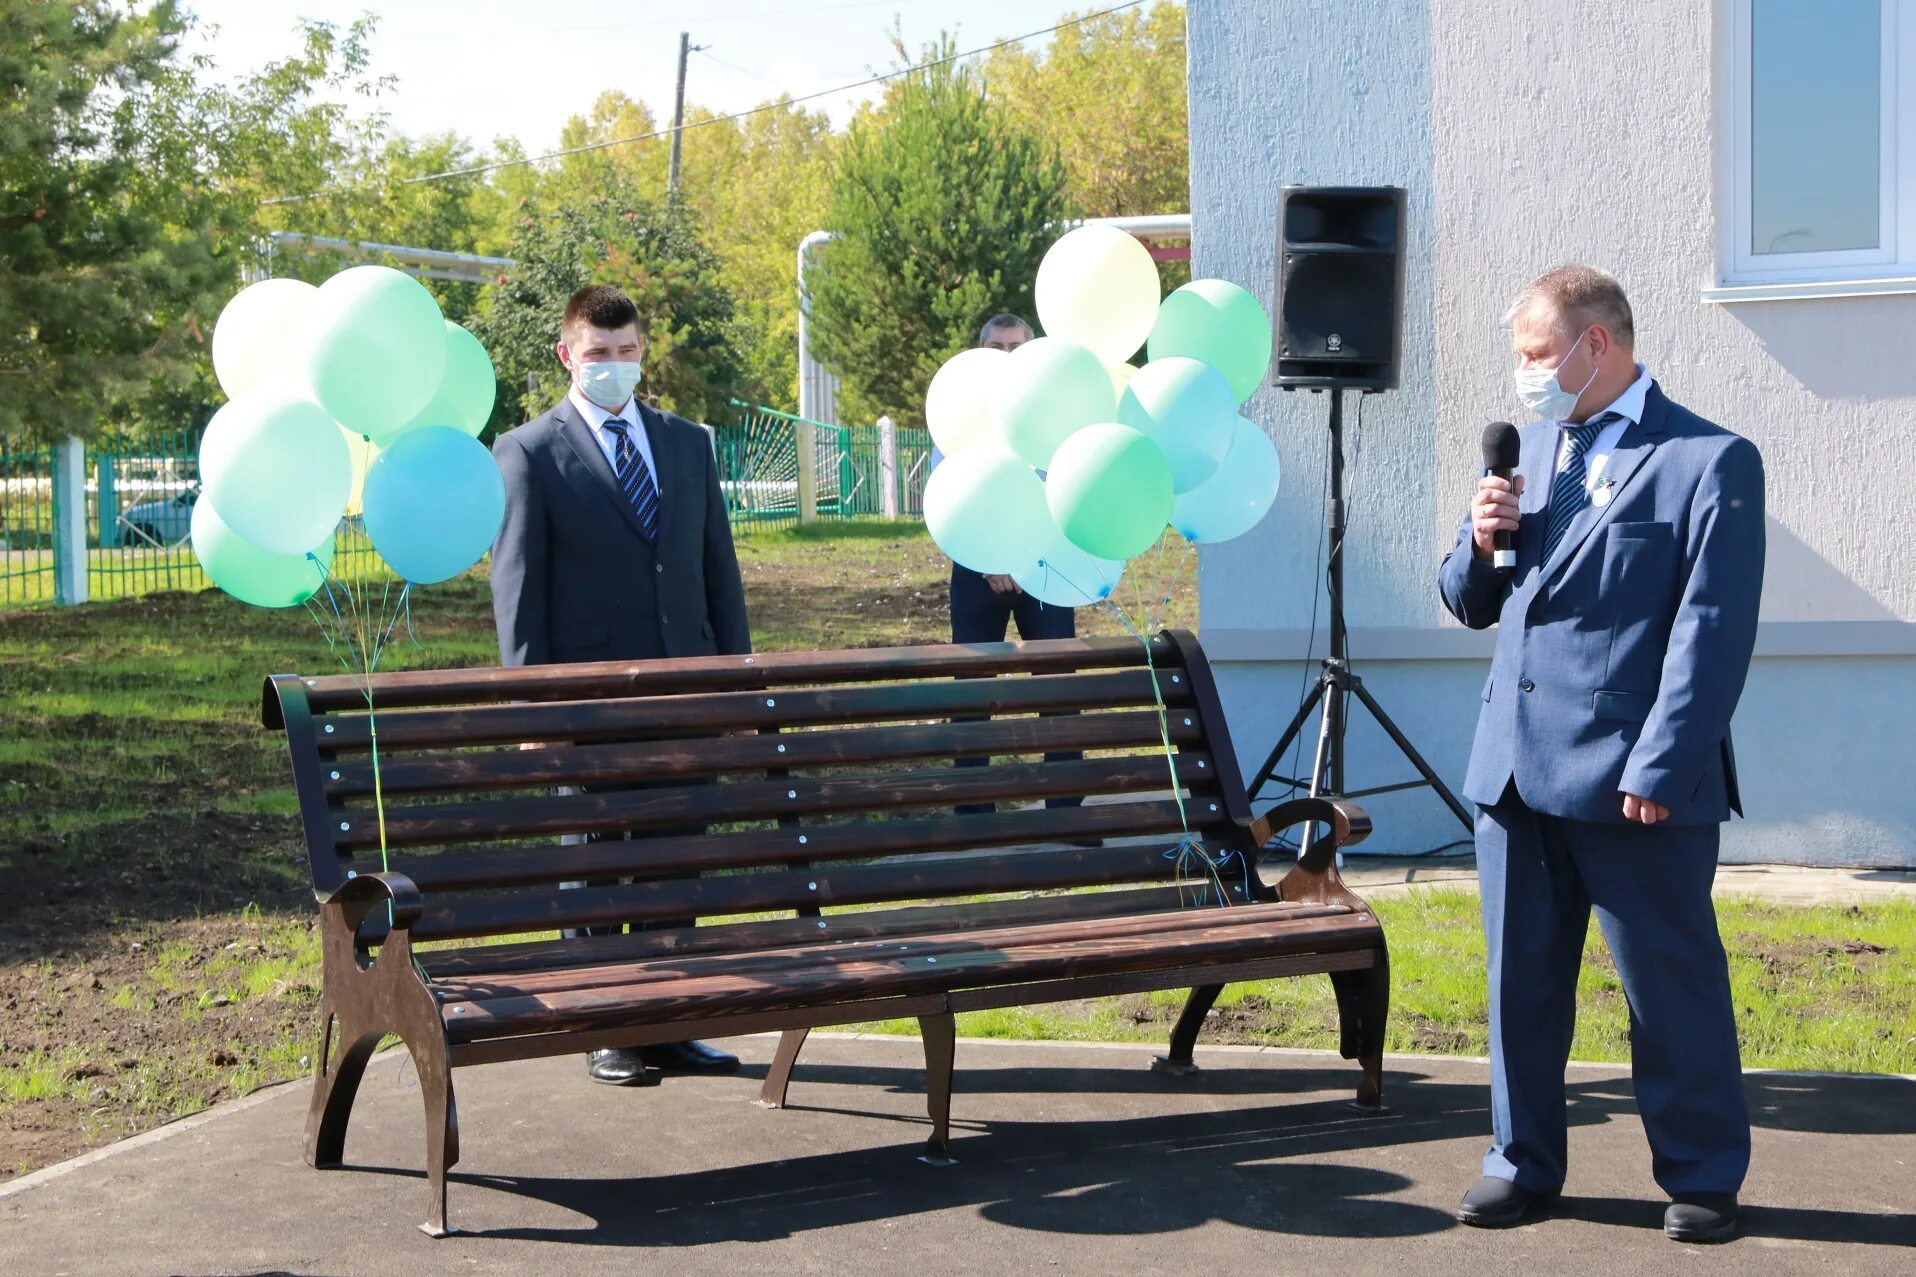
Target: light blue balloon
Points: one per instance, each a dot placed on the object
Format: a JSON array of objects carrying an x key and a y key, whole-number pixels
[
  {"x": 1238, "y": 496},
  {"x": 1186, "y": 407},
  {"x": 1066, "y": 576},
  {"x": 433, "y": 503}
]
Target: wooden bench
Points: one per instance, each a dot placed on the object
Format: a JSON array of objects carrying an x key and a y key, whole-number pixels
[{"x": 825, "y": 781}]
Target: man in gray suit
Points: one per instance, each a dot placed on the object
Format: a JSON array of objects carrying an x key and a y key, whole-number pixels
[
  {"x": 1602, "y": 767},
  {"x": 615, "y": 547}
]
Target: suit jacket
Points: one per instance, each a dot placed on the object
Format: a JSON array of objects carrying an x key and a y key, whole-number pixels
[
  {"x": 573, "y": 576},
  {"x": 1620, "y": 660}
]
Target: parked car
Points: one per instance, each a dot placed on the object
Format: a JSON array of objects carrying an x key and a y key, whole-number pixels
[{"x": 166, "y": 521}]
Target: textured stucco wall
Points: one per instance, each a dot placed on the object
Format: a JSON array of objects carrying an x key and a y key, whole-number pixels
[{"x": 1530, "y": 134}]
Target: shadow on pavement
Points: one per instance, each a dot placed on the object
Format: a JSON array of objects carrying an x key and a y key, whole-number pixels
[{"x": 1166, "y": 1173}]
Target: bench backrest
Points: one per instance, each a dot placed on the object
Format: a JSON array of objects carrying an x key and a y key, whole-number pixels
[{"x": 772, "y": 775}]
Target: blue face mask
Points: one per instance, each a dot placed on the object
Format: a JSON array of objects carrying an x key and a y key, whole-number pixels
[
  {"x": 1543, "y": 394},
  {"x": 611, "y": 383}
]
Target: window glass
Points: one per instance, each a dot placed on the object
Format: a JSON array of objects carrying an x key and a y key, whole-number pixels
[{"x": 1815, "y": 125}]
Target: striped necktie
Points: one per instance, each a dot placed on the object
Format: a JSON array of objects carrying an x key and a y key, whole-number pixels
[
  {"x": 1568, "y": 495},
  {"x": 629, "y": 467}
]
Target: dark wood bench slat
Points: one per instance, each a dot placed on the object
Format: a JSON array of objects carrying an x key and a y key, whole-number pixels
[
  {"x": 855, "y": 840},
  {"x": 619, "y": 679},
  {"x": 505, "y": 768},
  {"x": 584, "y": 721},
  {"x": 825, "y": 949},
  {"x": 902, "y": 974},
  {"x": 692, "y": 805},
  {"x": 748, "y": 937},
  {"x": 454, "y": 918}
]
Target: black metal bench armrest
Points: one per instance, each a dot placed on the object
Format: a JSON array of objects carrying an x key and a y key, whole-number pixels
[
  {"x": 361, "y": 894},
  {"x": 1315, "y": 878},
  {"x": 1349, "y": 825}
]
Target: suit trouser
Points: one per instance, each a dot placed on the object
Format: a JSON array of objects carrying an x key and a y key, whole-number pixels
[
  {"x": 616, "y": 928},
  {"x": 1650, "y": 886},
  {"x": 981, "y": 615}
]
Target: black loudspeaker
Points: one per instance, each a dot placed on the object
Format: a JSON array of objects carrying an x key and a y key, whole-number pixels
[{"x": 1340, "y": 286}]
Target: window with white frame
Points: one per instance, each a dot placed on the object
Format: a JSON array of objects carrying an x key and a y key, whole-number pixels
[{"x": 1824, "y": 129}]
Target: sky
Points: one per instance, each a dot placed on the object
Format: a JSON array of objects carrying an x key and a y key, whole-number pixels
[{"x": 499, "y": 68}]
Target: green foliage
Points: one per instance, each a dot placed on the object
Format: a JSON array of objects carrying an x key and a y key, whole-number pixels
[
  {"x": 941, "y": 204},
  {"x": 93, "y": 191},
  {"x": 657, "y": 255}
]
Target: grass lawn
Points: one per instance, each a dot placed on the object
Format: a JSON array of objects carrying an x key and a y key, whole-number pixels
[{"x": 156, "y": 942}]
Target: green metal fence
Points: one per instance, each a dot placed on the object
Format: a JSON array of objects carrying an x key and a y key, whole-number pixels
[
  {"x": 136, "y": 502},
  {"x": 26, "y": 528},
  {"x": 874, "y": 472}
]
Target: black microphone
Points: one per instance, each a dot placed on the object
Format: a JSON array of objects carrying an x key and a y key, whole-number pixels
[{"x": 1503, "y": 450}]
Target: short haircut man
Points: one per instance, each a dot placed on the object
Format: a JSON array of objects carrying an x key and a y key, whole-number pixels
[
  {"x": 1601, "y": 766},
  {"x": 1004, "y": 331}
]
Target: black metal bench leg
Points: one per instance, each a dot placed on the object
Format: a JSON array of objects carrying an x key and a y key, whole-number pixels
[
  {"x": 779, "y": 1076},
  {"x": 1363, "y": 1006},
  {"x": 940, "y": 1034},
  {"x": 340, "y": 1063},
  {"x": 1177, "y": 1061},
  {"x": 442, "y": 1131}
]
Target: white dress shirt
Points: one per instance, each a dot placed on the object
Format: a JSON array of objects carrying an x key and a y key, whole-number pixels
[
  {"x": 595, "y": 418},
  {"x": 1628, "y": 406}
]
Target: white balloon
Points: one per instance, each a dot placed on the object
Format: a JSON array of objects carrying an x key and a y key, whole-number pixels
[
  {"x": 986, "y": 509},
  {"x": 1237, "y": 497},
  {"x": 1099, "y": 287},
  {"x": 958, "y": 402},
  {"x": 278, "y": 471},
  {"x": 1065, "y": 576},
  {"x": 256, "y": 337}
]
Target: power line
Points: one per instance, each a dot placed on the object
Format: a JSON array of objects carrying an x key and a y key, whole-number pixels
[{"x": 472, "y": 170}]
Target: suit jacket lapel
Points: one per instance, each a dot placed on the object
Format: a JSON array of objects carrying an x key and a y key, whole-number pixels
[
  {"x": 579, "y": 436},
  {"x": 1639, "y": 440}
]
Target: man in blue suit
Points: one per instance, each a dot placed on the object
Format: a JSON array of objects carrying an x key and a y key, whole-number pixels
[{"x": 1602, "y": 767}]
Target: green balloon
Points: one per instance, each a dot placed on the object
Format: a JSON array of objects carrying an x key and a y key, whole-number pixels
[
  {"x": 375, "y": 347},
  {"x": 1216, "y": 321},
  {"x": 1049, "y": 389},
  {"x": 1110, "y": 490},
  {"x": 466, "y": 389},
  {"x": 279, "y": 471},
  {"x": 253, "y": 575}
]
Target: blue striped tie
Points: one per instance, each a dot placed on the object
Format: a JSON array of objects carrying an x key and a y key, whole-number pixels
[
  {"x": 1567, "y": 495},
  {"x": 629, "y": 467}
]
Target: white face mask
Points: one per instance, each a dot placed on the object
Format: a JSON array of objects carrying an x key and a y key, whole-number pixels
[
  {"x": 1544, "y": 395},
  {"x": 609, "y": 384}
]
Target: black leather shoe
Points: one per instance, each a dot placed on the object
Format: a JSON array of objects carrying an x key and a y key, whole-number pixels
[
  {"x": 687, "y": 1057},
  {"x": 620, "y": 1066},
  {"x": 1499, "y": 1203},
  {"x": 1701, "y": 1217}
]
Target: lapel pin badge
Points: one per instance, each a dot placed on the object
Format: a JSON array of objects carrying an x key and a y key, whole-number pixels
[{"x": 1601, "y": 496}]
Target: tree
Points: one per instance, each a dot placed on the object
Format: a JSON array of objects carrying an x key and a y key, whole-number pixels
[
  {"x": 1110, "y": 92},
  {"x": 942, "y": 206},
  {"x": 656, "y": 254},
  {"x": 91, "y": 265}
]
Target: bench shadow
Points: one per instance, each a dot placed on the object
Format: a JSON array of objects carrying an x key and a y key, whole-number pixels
[
  {"x": 1125, "y": 1176},
  {"x": 1158, "y": 1174}
]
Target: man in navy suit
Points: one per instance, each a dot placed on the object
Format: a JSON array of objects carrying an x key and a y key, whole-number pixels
[
  {"x": 615, "y": 547},
  {"x": 1602, "y": 767}
]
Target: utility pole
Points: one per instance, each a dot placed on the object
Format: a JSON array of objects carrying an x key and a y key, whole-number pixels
[{"x": 678, "y": 114}]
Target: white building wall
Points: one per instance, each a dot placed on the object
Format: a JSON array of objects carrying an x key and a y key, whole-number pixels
[{"x": 1529, "y": 134}]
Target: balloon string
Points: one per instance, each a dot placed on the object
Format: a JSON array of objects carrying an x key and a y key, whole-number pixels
[{"x": 1190, "y": 847}]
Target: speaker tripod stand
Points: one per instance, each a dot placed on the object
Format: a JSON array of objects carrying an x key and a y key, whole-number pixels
[{"x": 1337, "y": 682}]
